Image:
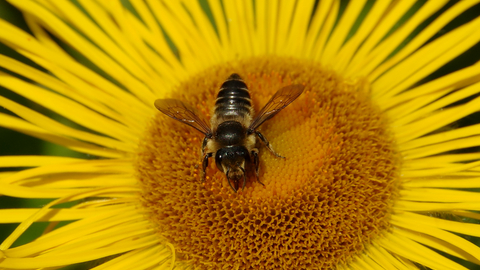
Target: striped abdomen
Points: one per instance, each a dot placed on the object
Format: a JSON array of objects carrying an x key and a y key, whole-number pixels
[{"x": 233, "y": 101}]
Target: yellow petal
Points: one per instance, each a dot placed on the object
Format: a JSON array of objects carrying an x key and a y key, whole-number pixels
[
  {"x": 396, "y": 11},
  {"x": 444, "y": 182},
  {"x": 102, "y": 167},
  {"x": 159, "y": 256},
  {"x": 441, "y": 147},
  {"x": 326, "y": 30},
  {"x": 438, "y": 195},
  {"x": 348, "y": 50},
  {"x": 33, "y": 161},
  {"x": 440, "y": 240},
  {"x": 388, "y": 46},
  {"x": 386, "y": 259},
  {"x": 436, "y": 120},
  {"x": 78, "y": 90},
  {"x": 342, "y": 29},
  {"x": 19, "y": 215},
  {"x": 441, "y": 171},
  {"x": 116, "y": 191},
  {"x": 453, "y": 226},
  {"x": 325, "y": 9},
  {"x": 68, "y": 108},
  {"x": 46, "y": 123},
  {"x": 24, "y": 127},
  {"x": 72, "y": 258},
  {"x": 422, "y": 37},
  {"x": 434, "y": 207},
  {"x": 426, "y": 60},
  {"x": 411, "y": 250},
  {"x": 88, "y": 49}
]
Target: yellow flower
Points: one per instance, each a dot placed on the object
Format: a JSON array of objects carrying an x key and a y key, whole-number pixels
[{"x": 379, "y": 170}]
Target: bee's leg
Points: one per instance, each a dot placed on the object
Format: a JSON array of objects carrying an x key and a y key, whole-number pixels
[
  {"x": 230, "y": 181},
  {"x": 204, "y": 145},
  {"x": 205, "y": 164},
  {"x": 244, "y": 178},
  {"x": 256, "y": 162},
  {"x": 267, "y": 144}
]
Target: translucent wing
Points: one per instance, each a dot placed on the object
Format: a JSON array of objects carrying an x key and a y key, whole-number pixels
[
  {"x": 183, "y": 113},
  {"x": 280, "y": 100}
]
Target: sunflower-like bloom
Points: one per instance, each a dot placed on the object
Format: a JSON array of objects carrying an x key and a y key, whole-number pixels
[{"x": 380, "y": 166}]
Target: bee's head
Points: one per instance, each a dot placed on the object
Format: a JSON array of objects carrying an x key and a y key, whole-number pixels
[{"x": 231, "y": 160}]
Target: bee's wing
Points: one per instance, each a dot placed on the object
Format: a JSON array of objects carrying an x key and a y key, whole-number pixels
[
  {"x": 280, "y": 100},
  {"x": 183, "y": 113}
]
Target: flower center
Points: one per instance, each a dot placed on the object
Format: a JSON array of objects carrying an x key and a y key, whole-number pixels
[{"x": 320, "y": 205}]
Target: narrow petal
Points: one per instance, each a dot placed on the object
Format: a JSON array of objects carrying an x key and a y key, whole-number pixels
[
  {"x": 324, "y": 10},
  {"x": 441, "y": 147},
  {"x": 437, "y": 120},
  {"x": 440, "y": 195},
  {"x": 54, "y": 215},
  {"x": 444, "y": 182},
  {"x": 411, "y": 250},
  {"x": 116, "y": 191},
  {"x": 207, "y": 31},
  {"x": 117, "y": 214},
  {"x": 439, "y": 161},
  {"x": 53, "y": 126},
  {"x": 325, "y": 31},
  {"x": 348, "y": 50},
  {"x": 440, "y": 240},
  {"x": 109, "y": 26},
  {"x": 90, "y": 51},
  {"x": 452, "y": 226},
  {"x": 19, "y": 125},
  {"x": 85, "y": 25},
  {"x": 366, "y": 262},
  {"x": 431, "y": 103},
  {"x": 295, "y": 42},
  {"x": 434, "y": 207},
  {"x": 238, "y": 26},
  {"x": 33, "y": 161},
  {"x": 77, "y": 90},
  {"x": 439, "y": 171},
  {"x": 285, "y": 18},
  {"x": 83, "y": 166},
  {"x": 341, "y": 30},
  {"x": 145, "y": 258},
  {"x": 72, "y": 258},
  {"x": 426, "y": 60},
  {"x": 220, "y": 23},
  {"x": 422, "y": 37},
  {"x": 395, "y": 12},
  {"x": 68, "y": 108},
  {"x": 386, "y": 259},
  {"x": 442, "y": 137},
  {"x": 388, "y": 45}
]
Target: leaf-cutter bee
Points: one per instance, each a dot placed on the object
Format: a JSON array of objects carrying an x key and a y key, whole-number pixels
[{"x": 232, "y": 136}]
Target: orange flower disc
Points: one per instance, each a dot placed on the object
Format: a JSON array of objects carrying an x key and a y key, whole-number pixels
[{"x": 319, "y": 206}]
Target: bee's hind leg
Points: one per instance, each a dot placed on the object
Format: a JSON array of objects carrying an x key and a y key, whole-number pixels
[
  {"x": 267, "y": 144},
  {"x": 256, "y": 162}
]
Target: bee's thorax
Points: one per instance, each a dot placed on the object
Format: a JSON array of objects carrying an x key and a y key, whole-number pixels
[{"x": 230, "y": 133}]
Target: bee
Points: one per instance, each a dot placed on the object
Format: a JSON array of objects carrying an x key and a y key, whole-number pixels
[{"x": 232, "y": 134}]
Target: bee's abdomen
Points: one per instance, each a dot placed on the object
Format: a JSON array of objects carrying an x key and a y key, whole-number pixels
[{"x": 233, "y": 99}]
